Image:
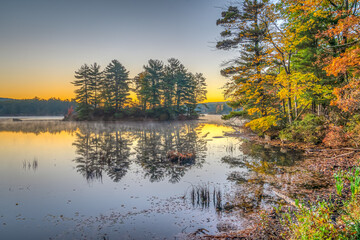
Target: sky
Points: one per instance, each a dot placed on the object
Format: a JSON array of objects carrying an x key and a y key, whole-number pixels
[{"x": 43, "y": 42}]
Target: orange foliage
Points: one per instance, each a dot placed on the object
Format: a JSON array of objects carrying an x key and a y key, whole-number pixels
[
  {"x": 174, "y": 156},
  {"x": 335, "y": 137},
  {"x": 347, "y": 62},
  {"x": 347, "y": 27},
  {"x": 348, "y": 97}
]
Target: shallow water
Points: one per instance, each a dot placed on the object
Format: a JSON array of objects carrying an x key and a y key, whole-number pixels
[{"x": 66, "y": 180}]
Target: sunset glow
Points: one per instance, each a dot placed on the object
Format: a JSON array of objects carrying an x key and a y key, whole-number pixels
[{"x": 43, "y": 44}]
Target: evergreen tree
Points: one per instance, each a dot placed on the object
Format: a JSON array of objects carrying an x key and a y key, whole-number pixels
[
  {"x": 83, "y": 92},
  {"x": 200, "y": 89},
  {"x": 142, "y": 90},
  {"x": 169, "y": 81},
  {"x": 117, "y": 79},
  {"x": 182, "y": 86},
  {"x": 197, "y": 93},
  {"x": 95, "y": 76},
  {"x": 245, "y": 29},
  {"x": 154, "y": 76},
  {"x": 166, "y": 90}
]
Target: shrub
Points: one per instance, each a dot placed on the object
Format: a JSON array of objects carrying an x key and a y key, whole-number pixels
[
  {"x": 312, "y": 223},
  {"x": 320, "y": 221},
  {"x": 309, "y": 130},
  {"x": 335, "y": 136},
  {"x": 353, "y": 130},
  {"x": 240, "y": 114},
  {"x": 261, "y": 125}
]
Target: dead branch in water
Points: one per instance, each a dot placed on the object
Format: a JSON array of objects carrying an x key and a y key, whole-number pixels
[
  {"x": 287, "y": 199},
  {"x": 342, "y": 155}
]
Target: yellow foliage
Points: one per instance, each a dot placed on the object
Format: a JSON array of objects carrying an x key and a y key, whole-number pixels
[
  {"x": 298, "y": 85},
  {"x": 261, "y": 125}
]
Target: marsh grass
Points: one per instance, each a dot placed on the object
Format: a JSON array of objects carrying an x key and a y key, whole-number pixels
[
  {"x": 27, "y": 165},
  {"x": 203, "y": 196}
]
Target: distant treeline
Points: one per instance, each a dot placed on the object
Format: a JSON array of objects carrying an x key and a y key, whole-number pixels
[
  {"x": 34, "y": 107},
  {"x": 214, "y": 108},
  {"x": 164, "y": 91}
]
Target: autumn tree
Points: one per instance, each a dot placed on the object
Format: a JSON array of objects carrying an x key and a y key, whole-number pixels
[
  {"x": 250, "y": 85},
  {"x": 327, "y": 34}
]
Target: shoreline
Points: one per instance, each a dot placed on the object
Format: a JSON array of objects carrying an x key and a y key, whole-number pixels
[{"x": 319, "y": 161}]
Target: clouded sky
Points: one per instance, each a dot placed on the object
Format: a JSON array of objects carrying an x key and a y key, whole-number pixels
[{"x": 42, "y": 42}]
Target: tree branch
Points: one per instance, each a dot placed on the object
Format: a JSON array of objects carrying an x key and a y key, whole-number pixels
[
  {"x": 344, "y": 45},
  {"x": 332, "y": 3}
]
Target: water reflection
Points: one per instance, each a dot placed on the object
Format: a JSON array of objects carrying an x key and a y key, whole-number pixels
[
  {"x": 27, "y": 165},
  {"x": 38, "y": 127},
  {"x": 261, "y": 158},
  {"x": 106, "y": 152},
  {"x": 109, "y": 150},
  {"x": 154, "y": 145},
  {"x": 223, "y": 177},
  {"x": 260, "y": 166},
  {"x": 203, "y": 195}
]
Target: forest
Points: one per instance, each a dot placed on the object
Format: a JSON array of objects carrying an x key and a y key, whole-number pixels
[
  {"x": 297, "y": 72},
  {"x": 163, "y": 92},
  {"x": 297, "y": 78},
  {"x": 35, "y": 107}
]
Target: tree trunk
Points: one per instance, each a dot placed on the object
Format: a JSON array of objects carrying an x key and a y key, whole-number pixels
[
  {"x": 283, "y": 105},
  {"x": 289, "y": 111},
  {"x": 295, "y": 106}
]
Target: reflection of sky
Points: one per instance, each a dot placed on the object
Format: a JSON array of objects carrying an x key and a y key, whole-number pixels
[
  {"x": 55, "y": 188},
  {"x": 43, "y": 42}
]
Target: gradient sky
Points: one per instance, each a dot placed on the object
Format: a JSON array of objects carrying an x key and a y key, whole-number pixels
[{"x": 42, "y": 42}]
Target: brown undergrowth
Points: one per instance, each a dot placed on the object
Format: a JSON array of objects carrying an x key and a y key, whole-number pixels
[{"x": 310, "y": 181}]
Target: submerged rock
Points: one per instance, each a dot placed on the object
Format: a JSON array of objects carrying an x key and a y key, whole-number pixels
[
  {"x": 180, "y": 158},
  {"x": 226, "y": 226}
]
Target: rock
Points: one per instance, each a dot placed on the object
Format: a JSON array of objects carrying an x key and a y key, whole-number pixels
[
  {"x": 228, "y": 206},
  {"x": 267, "y": 137},
  {"x": 226, "y": 227},
  {"x": 180, "y": 158}
]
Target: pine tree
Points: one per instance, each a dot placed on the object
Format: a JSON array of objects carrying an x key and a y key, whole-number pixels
[
  {"x": 169, "y": 81},
  {"x": 182, "y": 87},
  {"x": 251, "y": 76},
  {"x": 95, "y": 76},
  {"x": 167, "y": 91},
  {"x": 154, "y": 76},
  {"x": 246, "y": 31},
  {"x": 198, "y": 91},
  {"x": 117, "y": 85},
  {"x": 142, "y": 90},
  {"x": 83, "y": 92}
]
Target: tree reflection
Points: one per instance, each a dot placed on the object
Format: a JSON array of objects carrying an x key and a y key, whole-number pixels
[
  {"x": 154, "y": 144},
  {"x": 262, "y": 158},
  {"x": 105, "y": 152},
  {"x": 259, "y": 168},
  {"x": 109, "y": 150}
]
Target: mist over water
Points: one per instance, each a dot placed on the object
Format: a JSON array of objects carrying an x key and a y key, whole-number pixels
[{"x": 95, "y": 180}]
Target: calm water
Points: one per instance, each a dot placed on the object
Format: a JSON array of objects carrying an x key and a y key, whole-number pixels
[{"x": 61, "y": 180}]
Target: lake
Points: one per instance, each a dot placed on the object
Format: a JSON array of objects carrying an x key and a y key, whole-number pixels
[{"x": 94, "y": 180}]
